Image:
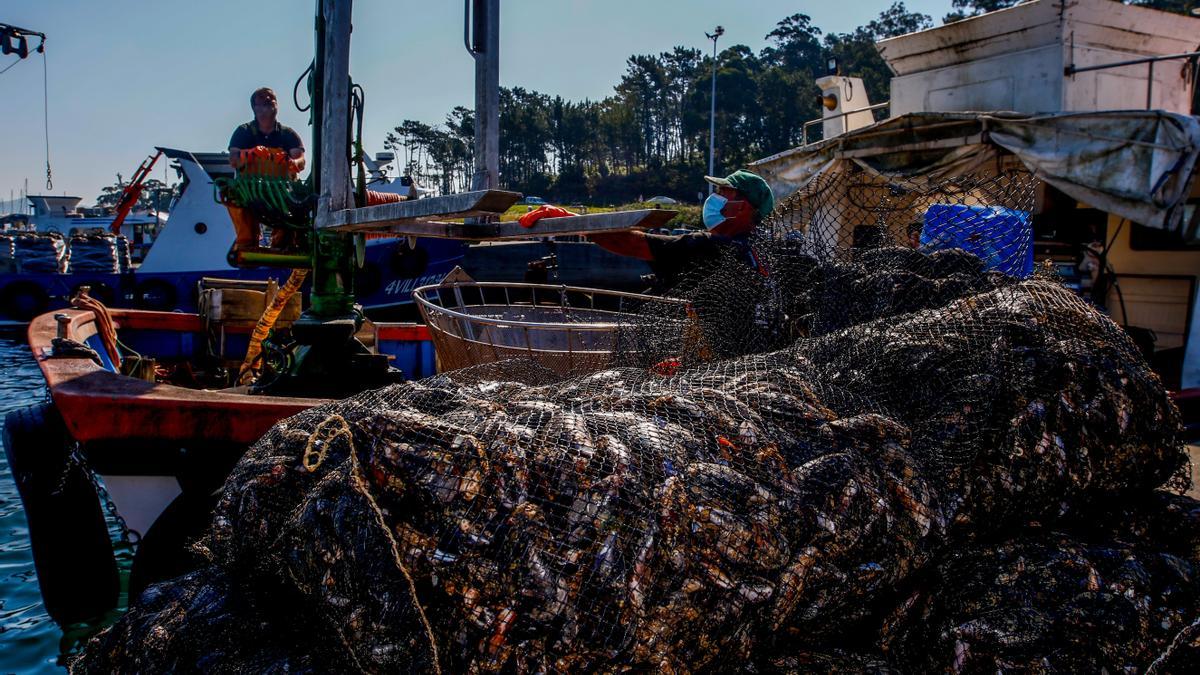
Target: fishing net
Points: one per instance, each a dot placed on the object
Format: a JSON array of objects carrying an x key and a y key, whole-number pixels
[
  {"x": 1057, "y": 602},
  {"x": 810, "y": 473}
]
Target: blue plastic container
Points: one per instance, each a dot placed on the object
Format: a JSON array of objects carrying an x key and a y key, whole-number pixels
[{"x": 1002, "y": 238}]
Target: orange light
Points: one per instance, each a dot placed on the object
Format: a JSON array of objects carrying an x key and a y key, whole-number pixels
[{"x": 829, "y": 101}]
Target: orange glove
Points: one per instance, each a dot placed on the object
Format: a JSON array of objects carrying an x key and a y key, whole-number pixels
[
  {"x": 540, "y": 212},
  {"x": 263, "y": 161}
]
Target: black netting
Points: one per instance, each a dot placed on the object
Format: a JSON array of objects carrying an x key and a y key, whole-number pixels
[{"x": 877, "y": 438}]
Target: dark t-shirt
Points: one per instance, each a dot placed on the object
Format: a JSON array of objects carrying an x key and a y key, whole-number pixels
[
  {"x": 690, "y": 256},
  {"x": 248, "y": 136}
]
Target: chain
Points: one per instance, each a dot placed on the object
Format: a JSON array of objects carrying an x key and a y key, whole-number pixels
[
  {"x": 46, "y": 116},
  {"x": 129, "y": 537}
]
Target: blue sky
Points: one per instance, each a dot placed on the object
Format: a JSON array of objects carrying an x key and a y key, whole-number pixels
[{"x": 126, "y": 75}]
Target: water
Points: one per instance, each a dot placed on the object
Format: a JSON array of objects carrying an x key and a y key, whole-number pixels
[{"x": 30, "y": 641}]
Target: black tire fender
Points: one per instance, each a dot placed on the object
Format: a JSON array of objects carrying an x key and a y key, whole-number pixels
[
  {"x": 72, "y": 550},
  {"x": 98, "y": 290},
  {"x": 408, "y": 263},
  {"x": 157, "y": 294},
  {"x": 23, "y": 300}
]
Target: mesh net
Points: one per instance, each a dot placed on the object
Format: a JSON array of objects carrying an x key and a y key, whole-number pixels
[{"x": 850, "y": 444}]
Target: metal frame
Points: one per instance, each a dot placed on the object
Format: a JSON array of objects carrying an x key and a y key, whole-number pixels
[
  {"x": 804, "y": 135},
  {"x": 558, "y": 291},
  {"x": 1071, "y": 70},
  {"x": 569, "y": 348}
]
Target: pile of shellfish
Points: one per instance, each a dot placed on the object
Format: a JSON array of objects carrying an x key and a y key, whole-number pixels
[{"x": 968, "y": 481}]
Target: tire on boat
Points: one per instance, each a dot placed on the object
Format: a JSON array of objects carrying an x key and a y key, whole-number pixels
[
  {"x": 98, "y": 290},
  {"x": 23, "y": 300},
  {"x": 408, "y": 262},
  {"x": 72, "y": 550},
  {"x": 157, "y": 294}
]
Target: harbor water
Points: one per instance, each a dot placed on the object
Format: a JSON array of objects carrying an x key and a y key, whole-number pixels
[{"x": 30, "y": 641}]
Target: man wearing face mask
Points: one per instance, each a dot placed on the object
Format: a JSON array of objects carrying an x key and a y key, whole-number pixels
[{"x": 730, "y": 215}]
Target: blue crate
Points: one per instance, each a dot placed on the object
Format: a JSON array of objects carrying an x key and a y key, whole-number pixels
[{"x": 1002, "y": 238}]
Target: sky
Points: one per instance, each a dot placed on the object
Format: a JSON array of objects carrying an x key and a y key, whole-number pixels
[{"x": 125, "y": 76}]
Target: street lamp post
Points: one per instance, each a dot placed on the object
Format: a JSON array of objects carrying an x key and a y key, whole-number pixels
[{"x": 712, "y": 113}]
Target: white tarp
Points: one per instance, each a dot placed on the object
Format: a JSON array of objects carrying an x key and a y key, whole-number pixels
[{"x": 1135, "y": 164}]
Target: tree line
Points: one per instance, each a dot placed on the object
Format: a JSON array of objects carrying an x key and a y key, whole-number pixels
[{"x": 650, "y": 136}]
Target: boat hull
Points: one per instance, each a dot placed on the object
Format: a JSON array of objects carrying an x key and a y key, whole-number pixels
[{"x": 161, "y": 450}]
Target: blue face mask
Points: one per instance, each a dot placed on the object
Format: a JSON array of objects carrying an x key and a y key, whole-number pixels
[{"x": 712, "y": 210}]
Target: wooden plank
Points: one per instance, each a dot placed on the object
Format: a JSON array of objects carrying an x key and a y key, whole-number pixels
[
  {"x": 385, "y": 216},
  {"x": 334, "y": 190},
  {"x": 616, "y": 221}
]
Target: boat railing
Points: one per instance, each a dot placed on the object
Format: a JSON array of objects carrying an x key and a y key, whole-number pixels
[
  {"x": 1193, "y": 57},
  {"x": 870, "y": 108}
]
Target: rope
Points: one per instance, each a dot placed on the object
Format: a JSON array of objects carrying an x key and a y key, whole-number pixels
[
  {"x": 267, "y": 321},
  {"x": 46, "y": 118},
  {"x": 10, "y": 66},
  {"x": 315, "y": 451},
  {"x": 318, "y": 445},
  {"x": 105, "y": 328},
  {"x": 360, "y": 485},
  {"x": 1189, "y": 632}
]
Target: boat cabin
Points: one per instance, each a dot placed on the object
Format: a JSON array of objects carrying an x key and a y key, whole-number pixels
[{"x": 1060, "y": 79}]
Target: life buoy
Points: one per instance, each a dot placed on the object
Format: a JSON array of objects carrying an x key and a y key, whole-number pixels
[
  {"x": 23, "y": 300},
  {"x": 157, "y": 294},
  {"x": 72, "y": 551}
]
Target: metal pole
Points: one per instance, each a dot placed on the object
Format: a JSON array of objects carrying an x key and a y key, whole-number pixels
[
  {"x": 1149, "y": 84},
  {"x": 712, "y": 113},
  {"x": 483, "y": 42}
]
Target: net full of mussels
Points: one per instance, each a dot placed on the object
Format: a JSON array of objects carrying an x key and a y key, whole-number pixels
[{"x": 924, "y": 480}]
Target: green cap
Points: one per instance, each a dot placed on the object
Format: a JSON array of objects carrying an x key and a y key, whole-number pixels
[{"x": 757, "y": 192}]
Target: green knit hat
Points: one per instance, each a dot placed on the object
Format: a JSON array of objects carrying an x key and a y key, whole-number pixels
[{"x": 757, "y": 192}]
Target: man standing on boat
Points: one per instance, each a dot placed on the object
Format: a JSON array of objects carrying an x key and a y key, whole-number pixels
[
  {"x": 263, "y": 146},
  {"x": 265, "y": 131},
  {"x": 730, "y": 215}
]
